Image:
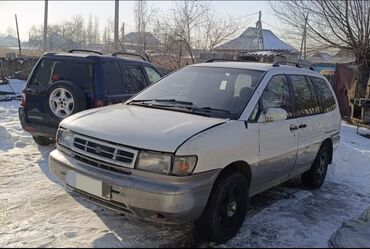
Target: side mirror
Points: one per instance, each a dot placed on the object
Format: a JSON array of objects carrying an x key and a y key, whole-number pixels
[{"x": 273, "y": 115}]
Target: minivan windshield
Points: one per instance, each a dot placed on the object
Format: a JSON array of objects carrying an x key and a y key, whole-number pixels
[{"x": 209, "y": 91}]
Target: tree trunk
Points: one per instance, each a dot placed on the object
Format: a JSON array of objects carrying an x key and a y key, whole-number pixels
[{"x": 363, "y": 75}]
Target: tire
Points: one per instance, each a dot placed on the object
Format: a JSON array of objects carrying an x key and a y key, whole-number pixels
[
  {"x": 315, "y": 177},
  {"x": 43, "y": 140},
  {"x": 72, "y": 92},
  {"x": 226, "y": 208}
]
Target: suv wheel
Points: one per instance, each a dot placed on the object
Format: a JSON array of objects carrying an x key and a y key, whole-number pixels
[
  {"x": 43, "y": 140},
  {"x": 64, "y": 99},
  {"x": 226, "y": 208},
  {"x": 315, "y": 177}
]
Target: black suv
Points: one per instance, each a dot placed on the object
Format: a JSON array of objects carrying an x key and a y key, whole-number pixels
[{"x": 62, "y": 84}]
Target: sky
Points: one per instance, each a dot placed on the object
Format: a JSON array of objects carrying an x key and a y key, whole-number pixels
[{"x": 32, "y": 12}]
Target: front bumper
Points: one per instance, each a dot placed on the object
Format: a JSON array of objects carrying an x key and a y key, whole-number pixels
[{"x": 154, "y": 197}]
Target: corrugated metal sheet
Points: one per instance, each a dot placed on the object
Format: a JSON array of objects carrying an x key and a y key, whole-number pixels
[{"x": 264, "y": 53}]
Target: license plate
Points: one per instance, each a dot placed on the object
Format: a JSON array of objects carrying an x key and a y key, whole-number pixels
[{"x": 88, "y": 185}]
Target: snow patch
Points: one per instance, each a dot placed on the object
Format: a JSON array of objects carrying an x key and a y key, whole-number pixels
[
  {"x": 14, "y": 84},
  {"x": 353, "y": 233}
]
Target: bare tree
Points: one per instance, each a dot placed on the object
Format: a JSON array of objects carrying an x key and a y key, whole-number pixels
[
  {"x": 334, "y": 24},
  {"x": 192, "y": 27},
  {"x": 172, "y": 49},
  {"x": 218, "y": 30},
  {"x": 89, "y": 30},
  {"x": 143, "y": 16},
  {"x": 96, "y": 30},
  {"x": 187, "y": 16}
]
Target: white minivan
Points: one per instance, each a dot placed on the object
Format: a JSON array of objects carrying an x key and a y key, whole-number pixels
[{"x": 197, "y": 144}]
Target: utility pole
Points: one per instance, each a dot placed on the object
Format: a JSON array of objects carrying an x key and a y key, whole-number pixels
[
  {"x": 260, "y": 31},
  {"x": 116, "y": 21},
  {"x": 19, "y": 41},
  {"x": 45, "y": 25},
  {"x": 303, "y": 42}
]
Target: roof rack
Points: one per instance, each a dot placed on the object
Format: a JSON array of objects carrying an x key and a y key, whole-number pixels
[
  {"x": 132, "y": 54},
  {"x": 84, "y": 50},
  {"x": 217, "y": 59},
  {"x": 296, "y": 64}
]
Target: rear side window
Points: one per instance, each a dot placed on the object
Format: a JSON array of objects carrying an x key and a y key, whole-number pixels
[
  {"x": 113, "y": 78},
  {"x": 305, "y": 100},
  {"x": 324, "y": 93},
  {"x": 153, "y": 75},
  {"x": 277, "y": 94},
  {"x": 48, "y": 72},
  {"x": 135, "y": 78}
]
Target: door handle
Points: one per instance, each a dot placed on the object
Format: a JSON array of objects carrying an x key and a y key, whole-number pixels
[
  {"x": 293, "y": 127},
  {"x": 302, "y": 126}
]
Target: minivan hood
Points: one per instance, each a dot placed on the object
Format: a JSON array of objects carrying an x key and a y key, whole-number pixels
[{"x": 140, "y": 127}]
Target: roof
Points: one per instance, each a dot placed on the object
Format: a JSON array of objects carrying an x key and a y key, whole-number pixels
[
  {"x": 137, "y": 37},
  {"x": 92, "y": 56},
  {"x": 252, "y": 66},
  {"x": 248, "y": 40}
]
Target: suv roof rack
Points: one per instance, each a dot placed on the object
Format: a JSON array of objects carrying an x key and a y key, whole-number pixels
[
  {"x": 132, "y": 54},
  {"x": 296, "y": 64},
  {"x": 217, "y": 59},
  {"x": 84, "y": 50}
]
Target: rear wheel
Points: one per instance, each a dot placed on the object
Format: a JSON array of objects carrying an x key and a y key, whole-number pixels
[
  {"x": 226, "y": 208},
  {"x": 43, "y": 140},
  {"x": 315, "y": 177},
  {"x": 64, "y": 99}
]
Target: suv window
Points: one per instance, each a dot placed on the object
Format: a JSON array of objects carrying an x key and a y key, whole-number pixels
[
  {"x": 277, "y": 95},
  {"x": 113, "y": 78},
  {"x": 135, "y": 78},
  {"x": 49, "y": 71},
  {"x": 306, "y": 104},
  {"x": 153, "y": 75},
  {"x": 324, "y": 93}
]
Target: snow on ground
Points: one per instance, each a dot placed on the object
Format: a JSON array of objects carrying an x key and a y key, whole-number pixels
[
  {"x": 14, "y": 84},
  {"x": 36, "y": 211}
]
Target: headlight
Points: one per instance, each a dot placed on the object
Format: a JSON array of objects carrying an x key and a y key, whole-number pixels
[
  {"x": 162, "y": 162},
  {"x": 155, "y": 162},
  {"x": 65, "y": 137},
  {"x": 184, "y": 165}
]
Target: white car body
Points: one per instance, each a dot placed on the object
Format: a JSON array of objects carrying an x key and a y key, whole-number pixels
[{"x": 270, "y": 151}]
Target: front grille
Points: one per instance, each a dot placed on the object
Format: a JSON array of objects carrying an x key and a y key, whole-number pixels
[
  {"x": 104, "y": 151},
  {"x": 97, "y": 164}
]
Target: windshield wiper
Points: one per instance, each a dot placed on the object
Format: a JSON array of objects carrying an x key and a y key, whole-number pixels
[
  {"x": 162, "y": 100},
  {"x": 211, "y": 109}
]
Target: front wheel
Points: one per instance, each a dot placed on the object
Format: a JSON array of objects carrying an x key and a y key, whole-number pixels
[
  {"x": 43, "y": 140},
  {"x": 226, "y": 208},
  {"x": 315, "y": 177}
]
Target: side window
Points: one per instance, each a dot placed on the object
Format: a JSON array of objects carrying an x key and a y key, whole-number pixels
[
  {"x": 135, "y": 78},
  {"x": 79, "y": 73},
  {"x": 317, "y": 107},
  {"x": 277, "y": 95},
  {"x": 306, "y": 104},
  {"x": 153, "y": 75},
  {"x": 324, "y": 93},
  {"x": 42, "y": 73},
  {"x": 113, "y": 78}
]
